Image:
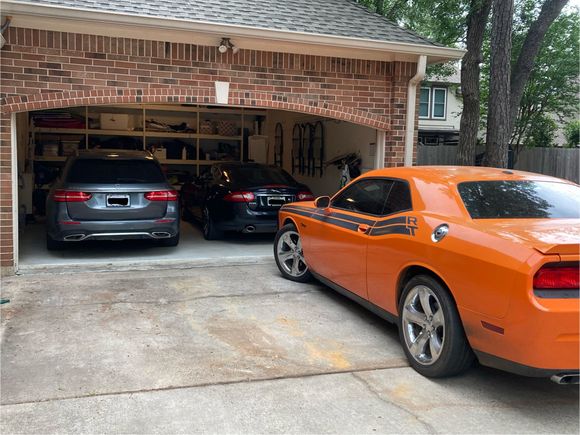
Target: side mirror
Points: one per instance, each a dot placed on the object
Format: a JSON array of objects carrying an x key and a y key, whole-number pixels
[{"x": 322, "y": 202}]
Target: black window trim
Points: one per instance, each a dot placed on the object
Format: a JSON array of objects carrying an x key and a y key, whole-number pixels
[{"x": 374, "y": 178}]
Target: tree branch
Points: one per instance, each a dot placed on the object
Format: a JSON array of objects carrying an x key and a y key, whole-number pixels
[{"x": 527, "y": 57}]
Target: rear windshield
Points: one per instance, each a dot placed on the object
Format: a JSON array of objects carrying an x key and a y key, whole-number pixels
[
  {"x": 520, "y": 199},
  {"x": 100, "y": 171},
  {"x": 257, "y": 176}
]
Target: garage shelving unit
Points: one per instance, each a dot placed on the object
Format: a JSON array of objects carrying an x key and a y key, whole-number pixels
[{"x": 203, "y": 148}]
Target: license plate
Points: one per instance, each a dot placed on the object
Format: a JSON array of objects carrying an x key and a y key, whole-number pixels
[
  {"x": 277, "y": 201},
  {"x": 118, "y": 201}
]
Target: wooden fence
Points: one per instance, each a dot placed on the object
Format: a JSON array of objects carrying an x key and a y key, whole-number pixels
[{"x": 558, "y": 162}]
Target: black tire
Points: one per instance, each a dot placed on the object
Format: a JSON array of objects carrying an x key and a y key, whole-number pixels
[
  {"x": 455, "y": 355},
  {"x": 303, "y": 275},
  {"x": 210, "y": 232},
  {"x": 169, "y": 242},
  {"x": 53, "y": 245}
]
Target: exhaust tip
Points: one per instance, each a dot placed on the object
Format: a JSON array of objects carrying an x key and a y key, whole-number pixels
[
  {"x": 566, "y": 378},
  {"x": 161, "y": 235},
  {"x": 74, "y": 237},
  {"x": 250, "y": 229}
]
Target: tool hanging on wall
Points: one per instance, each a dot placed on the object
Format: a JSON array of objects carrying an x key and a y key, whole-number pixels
[
  {"x": 297, "y": 155},
  {"x": 318, "y": 148},
  {"x": 308, "y": 162},
  {"x": 279, "y": 145}
]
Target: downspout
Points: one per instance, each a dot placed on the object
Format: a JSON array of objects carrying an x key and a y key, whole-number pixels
[{"x": 411, "y": 104}]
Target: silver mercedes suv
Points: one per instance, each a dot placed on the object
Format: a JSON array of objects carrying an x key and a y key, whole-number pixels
[{"x": 112, "y": 195}]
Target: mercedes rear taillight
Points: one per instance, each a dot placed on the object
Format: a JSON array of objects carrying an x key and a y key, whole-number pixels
[
  {"x": 240, "y": 197},
  {"x": 162, "y": 195},
  {"x": 557, "y": 278},
  {"x": 70, "y": 196}
]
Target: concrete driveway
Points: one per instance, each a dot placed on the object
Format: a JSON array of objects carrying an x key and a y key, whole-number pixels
[{"x": 234, "y": 349}]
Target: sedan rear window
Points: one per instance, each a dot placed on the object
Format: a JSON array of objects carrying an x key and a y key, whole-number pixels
[
  {"x": 520, "y": 199},
  {"x": 257, "y": 176},
  {"x": 101, "y": 171}
]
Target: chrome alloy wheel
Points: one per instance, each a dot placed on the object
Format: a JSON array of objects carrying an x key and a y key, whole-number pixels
[
  {"x": 290, "y": 256},
  {"x": 423, "y": 324}
]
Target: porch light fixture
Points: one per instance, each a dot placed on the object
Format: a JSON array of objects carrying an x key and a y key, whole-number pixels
[{"x": 226, "y": 44}]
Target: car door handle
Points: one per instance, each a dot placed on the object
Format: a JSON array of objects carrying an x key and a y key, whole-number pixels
[{"x": 362, "y": 228}]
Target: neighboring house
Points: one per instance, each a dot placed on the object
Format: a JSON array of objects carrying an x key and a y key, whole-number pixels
[
  {"x": 440, "y": 110},
  {"x": 272, "y": 67}
]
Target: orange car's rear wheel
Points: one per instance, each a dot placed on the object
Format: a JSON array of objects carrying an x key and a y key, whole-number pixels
[
  {"x": 289, "y": 256},
  {"x": 431, "y": 331}
]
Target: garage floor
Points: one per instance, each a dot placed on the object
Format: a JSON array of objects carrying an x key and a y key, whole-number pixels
[
  {"x": 193, "y": 249},
  {"x": 234, "y": 349}
]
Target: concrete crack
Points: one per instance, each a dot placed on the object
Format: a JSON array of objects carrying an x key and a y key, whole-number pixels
[{"x": 385, "y": 399}]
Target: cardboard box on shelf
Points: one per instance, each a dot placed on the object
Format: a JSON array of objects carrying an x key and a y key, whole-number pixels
[{"x": 114, "y": 121}]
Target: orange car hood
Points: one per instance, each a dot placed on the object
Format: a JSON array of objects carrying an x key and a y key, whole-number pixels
[{"x": 549, "y": 236}]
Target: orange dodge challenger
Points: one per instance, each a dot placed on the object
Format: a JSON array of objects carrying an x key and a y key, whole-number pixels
[{"x": 469, "y": 262}]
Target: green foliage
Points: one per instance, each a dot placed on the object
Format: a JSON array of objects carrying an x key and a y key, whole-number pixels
[
  {"x": 572, "y": 133},
  {"x": 552, "y": 87},
  {"x": 551, "y": 91},
  {"x": 440, "y": 20},
  {"x": 541, "y": 133}
]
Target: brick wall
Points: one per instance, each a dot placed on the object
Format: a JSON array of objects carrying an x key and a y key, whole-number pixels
[{"x": 43, "y": 69}]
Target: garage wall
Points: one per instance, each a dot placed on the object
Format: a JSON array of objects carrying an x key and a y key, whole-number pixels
[
  {"x": 48, "y": 69},
  {"x": 340, "y": 138}
]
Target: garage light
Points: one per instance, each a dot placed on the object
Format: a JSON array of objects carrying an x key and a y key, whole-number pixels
[{"x": 225, "y": 44}]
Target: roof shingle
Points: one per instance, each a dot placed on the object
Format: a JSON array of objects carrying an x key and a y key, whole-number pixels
[{"x": 324, "y": 17}]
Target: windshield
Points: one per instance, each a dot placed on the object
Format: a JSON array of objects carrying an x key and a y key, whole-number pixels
[
  {"x": 101, "y": 171},
  {"x": 520, "y": 199},
  {"x": 257, "y": 175}
]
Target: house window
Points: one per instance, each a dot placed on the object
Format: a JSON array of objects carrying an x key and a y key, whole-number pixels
[
  {"x": 433, "y": 103},
  {"x": 424, "y": 102},
  {"x": 439, "y": 103}
]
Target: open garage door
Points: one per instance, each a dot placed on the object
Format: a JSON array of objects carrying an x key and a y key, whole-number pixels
[{"x": 189, "y": 143}]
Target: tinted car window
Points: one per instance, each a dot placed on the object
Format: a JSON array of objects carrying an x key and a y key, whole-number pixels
[
  {"x": 100, "y": 171},
  {"x": 366, "y": 196},
  {"x": 257, "y": 175},
  {"x": 399, "y": 198},
  {"x": 520, "y": 199}
]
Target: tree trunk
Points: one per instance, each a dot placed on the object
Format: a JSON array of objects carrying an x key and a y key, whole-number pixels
[
  {"x": 527, "y": 57},
  {"x": 498, "y": 120},
  {"x": 470, "y": 70}
]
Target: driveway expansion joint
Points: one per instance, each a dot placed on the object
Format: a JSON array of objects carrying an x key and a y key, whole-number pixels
[
  {"x": 177, "y": 301},
  {"x": 213, "y": 384}
]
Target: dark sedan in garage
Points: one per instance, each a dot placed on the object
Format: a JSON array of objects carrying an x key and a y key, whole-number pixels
[{"x": 240, "y": 197}]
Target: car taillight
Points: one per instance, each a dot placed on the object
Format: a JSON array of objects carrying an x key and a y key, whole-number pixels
[
  {"x": 70, "y": 196},
  {"x": 557, "y": 278},
  {"x": 305, "y": 196},
  {"x": 161, "y": 195},
  {"x": 240, "y": 197}
]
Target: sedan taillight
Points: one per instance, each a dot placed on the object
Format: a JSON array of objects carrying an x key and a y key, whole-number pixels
[
  {"x": 240, "y": 197},
  {"x": 70, "y": 196},
  {"x": 305, "y": 196},
  {"x": 161, "y": 195},
  {"x": 557, "y": 278}
]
